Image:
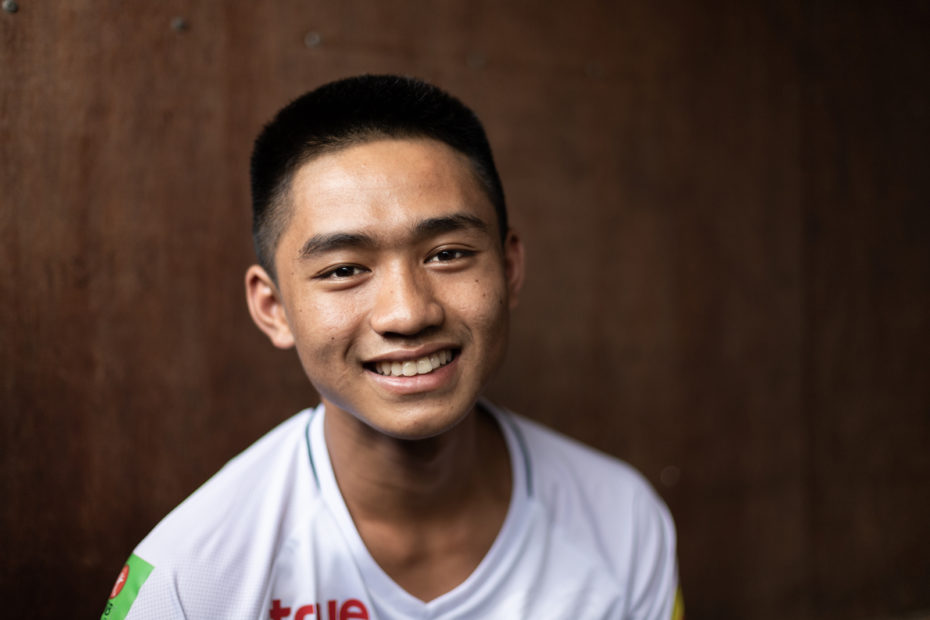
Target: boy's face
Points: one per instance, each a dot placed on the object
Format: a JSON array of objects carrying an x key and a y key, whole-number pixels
[{"x": 392, "y": 284}]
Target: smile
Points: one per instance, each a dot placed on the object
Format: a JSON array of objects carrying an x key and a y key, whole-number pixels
[{"x": 410, "y": 368}]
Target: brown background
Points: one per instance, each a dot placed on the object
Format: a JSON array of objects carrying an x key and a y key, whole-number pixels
[{"x": 726, "y": 210}]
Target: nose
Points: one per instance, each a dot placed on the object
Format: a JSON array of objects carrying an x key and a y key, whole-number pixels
[{"x": 405, "y": 303}]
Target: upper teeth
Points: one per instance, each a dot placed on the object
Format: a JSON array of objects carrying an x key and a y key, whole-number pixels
[{"x": 421, "y": 366}]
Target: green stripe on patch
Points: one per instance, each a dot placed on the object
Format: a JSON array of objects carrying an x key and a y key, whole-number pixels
[{"x": 126, "y": 588}]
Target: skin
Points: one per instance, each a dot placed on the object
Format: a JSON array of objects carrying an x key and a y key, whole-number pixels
[{"x": 392, "y": 253}]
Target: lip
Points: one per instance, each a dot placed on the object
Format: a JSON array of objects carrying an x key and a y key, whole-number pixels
[{"x": 402, "y": 386}]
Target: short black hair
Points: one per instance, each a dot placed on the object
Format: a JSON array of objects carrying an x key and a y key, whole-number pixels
[{"x": 353, "y": 111}]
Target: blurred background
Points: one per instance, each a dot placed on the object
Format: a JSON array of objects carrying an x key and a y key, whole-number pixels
[{"x": 725, "y": 206}]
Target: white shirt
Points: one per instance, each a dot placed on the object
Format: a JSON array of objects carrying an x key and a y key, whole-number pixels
[{"x": 269, "y": 536}]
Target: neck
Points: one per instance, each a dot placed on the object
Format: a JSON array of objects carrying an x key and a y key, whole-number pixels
[
  {"x": 416, "y": 480},
  {"x": 427, "y": 510}
]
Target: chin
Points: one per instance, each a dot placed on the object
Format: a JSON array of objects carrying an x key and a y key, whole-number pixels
[{"x": 417, "y": 422}]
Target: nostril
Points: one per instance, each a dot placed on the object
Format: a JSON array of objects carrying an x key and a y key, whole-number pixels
[{"x": 405, "y": 304}]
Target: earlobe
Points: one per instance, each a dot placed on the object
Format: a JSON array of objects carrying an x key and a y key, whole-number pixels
[
  {"x": 514, "y": 265},
  {"x": 266, "y": 307}
]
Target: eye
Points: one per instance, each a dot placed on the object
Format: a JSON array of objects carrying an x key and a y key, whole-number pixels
[
  {"x": 447, "y": 255},
  {"x": 342, "y": 272}
]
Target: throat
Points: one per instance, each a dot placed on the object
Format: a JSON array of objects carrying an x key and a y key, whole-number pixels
[
  {"x": 430, "y": 560},
  {"x": 429, "y": 511}
]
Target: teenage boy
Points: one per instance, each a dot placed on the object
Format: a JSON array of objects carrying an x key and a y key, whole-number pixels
[{"x": 385, "y": 259}]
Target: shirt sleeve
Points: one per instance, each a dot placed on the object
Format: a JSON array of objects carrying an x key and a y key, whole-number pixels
[
  {"x": 143, "y": 592},
  {"x": 654, "y": 586}
]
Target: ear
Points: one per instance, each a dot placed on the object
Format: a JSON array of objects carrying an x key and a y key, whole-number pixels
[
  {"x": 266, "y": 307},
  {"x": 513, "y": 265}
]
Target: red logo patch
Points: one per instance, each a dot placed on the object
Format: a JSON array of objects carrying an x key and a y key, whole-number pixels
[
  {"x": 120, "y": 582},
  {"x": 352, "y": 608}
]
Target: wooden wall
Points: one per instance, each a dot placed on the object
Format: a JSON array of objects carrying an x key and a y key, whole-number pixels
[{"x": 726, "y": 211}]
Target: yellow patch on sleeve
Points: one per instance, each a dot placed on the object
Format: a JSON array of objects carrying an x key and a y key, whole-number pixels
[{"x": 678, "y": 612}]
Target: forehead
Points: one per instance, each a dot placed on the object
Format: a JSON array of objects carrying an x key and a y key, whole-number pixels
[{"x": 384, "y": 185}]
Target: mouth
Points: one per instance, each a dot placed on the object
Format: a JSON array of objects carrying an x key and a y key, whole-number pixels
[{"x": 411, "y": 367}]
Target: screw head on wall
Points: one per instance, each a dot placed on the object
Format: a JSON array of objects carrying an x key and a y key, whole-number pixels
[{"x": 313, "y": 39}]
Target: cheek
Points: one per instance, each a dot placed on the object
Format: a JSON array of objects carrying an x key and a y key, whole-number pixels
[
  {"x": 483, "y": 303},
  {"x": 323, "y": 329}
]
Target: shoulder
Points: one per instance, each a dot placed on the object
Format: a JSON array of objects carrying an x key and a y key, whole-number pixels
[
  {"x": 214, "y": 552},
  {"x": 233, "y": 497},
  {"x": 561, "y": 464},
  {"x": 606, "y": 508}
]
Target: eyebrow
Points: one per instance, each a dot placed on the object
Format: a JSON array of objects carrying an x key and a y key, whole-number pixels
[
  {"x": 321, "y": 244},
  {"x": 450, "y": 223},
  {"x": 332, "y": 242}
]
